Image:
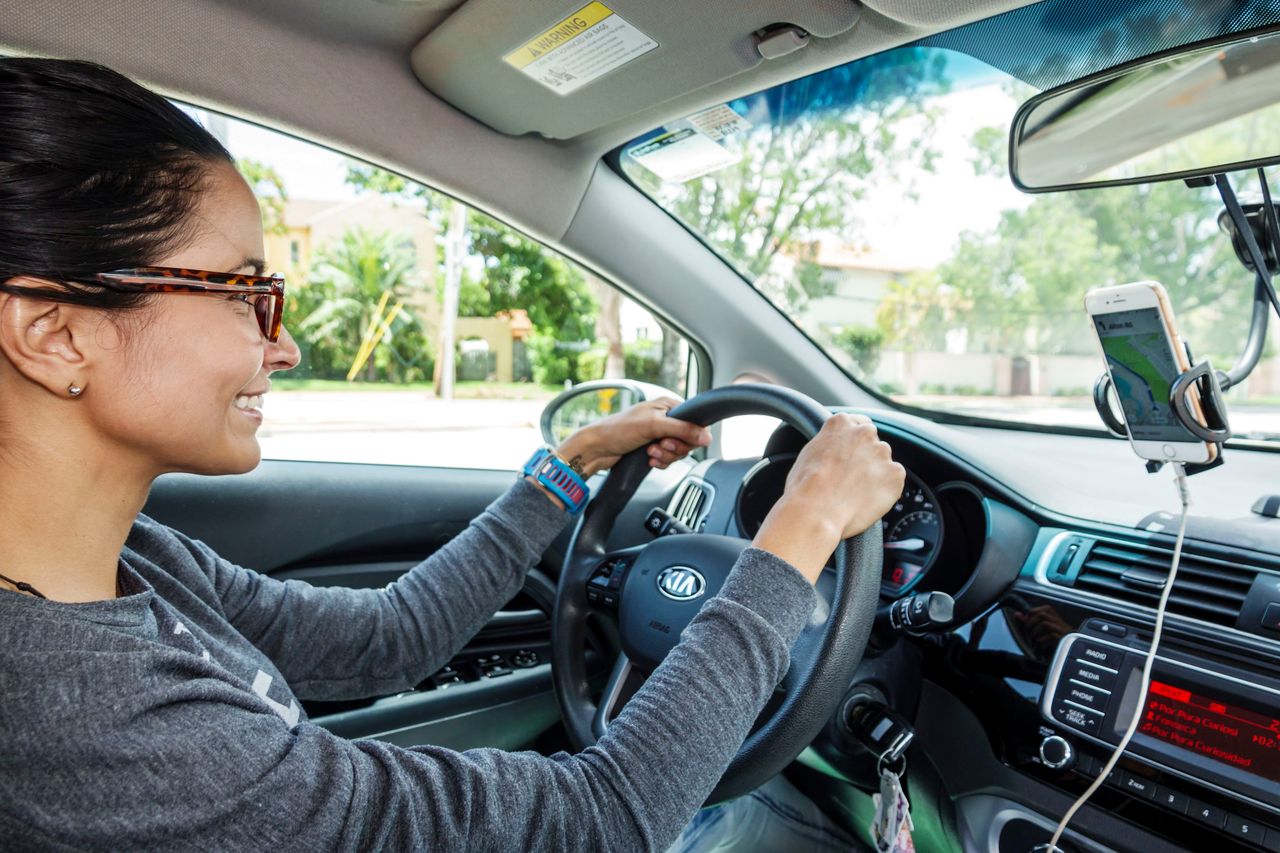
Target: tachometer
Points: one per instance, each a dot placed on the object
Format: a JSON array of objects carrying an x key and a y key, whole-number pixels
[{"x": 912, "y": 532}]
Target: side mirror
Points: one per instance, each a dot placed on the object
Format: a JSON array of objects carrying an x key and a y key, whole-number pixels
[{"x": 589, "y": 402}]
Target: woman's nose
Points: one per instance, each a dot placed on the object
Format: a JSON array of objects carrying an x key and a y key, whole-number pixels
[{"x": 283, "y": 354}]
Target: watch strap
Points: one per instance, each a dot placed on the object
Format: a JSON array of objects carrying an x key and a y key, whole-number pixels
[{"x": 556, "y": 476}]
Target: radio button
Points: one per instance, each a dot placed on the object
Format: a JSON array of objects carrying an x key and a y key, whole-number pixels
[
  {"x": 1206, "y": 813},
  {"x": 1272, "y": 840},
  {"x": 1091, "y": 675},
  {"x": 1080, "y": 719},
  {"x": 1097, "y": 654},
  {"x": 1170, "y": 799},
  {"x": 1244, "y": 828}
]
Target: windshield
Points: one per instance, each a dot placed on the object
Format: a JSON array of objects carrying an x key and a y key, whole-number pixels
[{"x": 872, "y": 204}]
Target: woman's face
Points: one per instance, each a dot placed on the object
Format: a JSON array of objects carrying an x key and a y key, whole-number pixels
[{"x": 181, "y": 389}]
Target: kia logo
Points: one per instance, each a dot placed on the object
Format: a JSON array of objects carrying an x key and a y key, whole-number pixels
[{"x": 681, "y": 583}]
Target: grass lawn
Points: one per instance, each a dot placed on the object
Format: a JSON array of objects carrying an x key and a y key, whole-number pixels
[{"x": 461, "y": 390}]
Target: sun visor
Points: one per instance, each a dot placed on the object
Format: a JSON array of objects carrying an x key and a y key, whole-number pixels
[{"x": 561, "y": 70}]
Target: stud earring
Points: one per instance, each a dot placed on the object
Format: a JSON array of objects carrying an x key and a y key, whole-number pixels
[{"x": 75, "y": 390}]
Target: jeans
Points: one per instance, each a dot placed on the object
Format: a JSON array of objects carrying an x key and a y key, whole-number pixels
[{"x": 775, "y": 817}]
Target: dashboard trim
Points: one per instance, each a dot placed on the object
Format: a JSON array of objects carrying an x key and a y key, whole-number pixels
[{"x": 1126, "y": 608}]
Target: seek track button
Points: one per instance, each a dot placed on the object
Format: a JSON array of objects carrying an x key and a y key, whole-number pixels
[{"x": 1077, "y": 718}]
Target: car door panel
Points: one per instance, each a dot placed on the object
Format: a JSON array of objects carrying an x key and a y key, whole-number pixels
[{"x": 362, "y": 526}]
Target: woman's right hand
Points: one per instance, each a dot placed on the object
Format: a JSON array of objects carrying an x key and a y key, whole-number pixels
[{"x": 843, "y": 481}]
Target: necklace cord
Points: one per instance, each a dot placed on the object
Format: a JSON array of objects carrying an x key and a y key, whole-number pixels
[{"x": 23, "y": 586}]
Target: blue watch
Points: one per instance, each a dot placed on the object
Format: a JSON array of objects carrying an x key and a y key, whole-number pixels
[{"x": 555, "y": 475}]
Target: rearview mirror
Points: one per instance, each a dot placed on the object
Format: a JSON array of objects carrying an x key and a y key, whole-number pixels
[
  {"x": 1190, "y": 113},
  {"x": 589, "y": 402}
]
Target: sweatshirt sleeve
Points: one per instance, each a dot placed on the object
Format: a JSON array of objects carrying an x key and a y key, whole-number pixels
[
  {"x": 338, "y": 643},
  {"x": 208, "y": 767}
]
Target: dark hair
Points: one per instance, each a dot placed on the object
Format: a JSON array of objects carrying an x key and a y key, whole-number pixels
[{"x": 97, "y": 173}]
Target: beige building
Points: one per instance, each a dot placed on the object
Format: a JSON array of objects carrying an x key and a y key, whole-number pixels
[
  {"x": 858, "y": 280},
  {"x": 311, "y": 223}
]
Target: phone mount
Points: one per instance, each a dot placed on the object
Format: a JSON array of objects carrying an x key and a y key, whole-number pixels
[
  {"x": 1215, "y": 429},
  {"x": 1254, "y": 229}
]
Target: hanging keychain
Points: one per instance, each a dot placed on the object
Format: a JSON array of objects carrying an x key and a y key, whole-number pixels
[{"x": 891, "y": 826}]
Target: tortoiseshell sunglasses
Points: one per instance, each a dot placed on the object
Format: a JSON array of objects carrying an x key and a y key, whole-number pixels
[{"x": 268, "y": 306}]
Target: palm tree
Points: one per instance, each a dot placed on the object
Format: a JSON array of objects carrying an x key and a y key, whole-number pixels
[{"x": 354, "y": 273}]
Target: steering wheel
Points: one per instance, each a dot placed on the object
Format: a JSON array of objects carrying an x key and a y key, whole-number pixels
[{"x": 650, "y": 619}]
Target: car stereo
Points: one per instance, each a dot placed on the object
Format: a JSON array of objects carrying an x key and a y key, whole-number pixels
[{"x": 1212, "y": 724}]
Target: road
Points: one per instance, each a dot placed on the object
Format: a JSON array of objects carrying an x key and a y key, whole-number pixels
[{"x": 408, "y": 428}]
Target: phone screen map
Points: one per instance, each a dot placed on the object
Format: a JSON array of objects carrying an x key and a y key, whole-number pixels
[{"x": 1143, "y": 369}]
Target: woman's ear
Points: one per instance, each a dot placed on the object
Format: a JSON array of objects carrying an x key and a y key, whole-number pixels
[{"x": 44, "y": 340}]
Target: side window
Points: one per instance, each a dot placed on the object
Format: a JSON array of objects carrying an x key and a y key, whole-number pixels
[{"x": 431, "y": 334}]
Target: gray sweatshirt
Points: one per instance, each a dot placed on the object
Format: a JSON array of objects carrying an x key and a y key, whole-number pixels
[{"x": 169, "y": 718}]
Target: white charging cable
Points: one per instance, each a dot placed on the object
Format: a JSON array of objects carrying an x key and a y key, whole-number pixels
[{"x": 1185, "y": 496}]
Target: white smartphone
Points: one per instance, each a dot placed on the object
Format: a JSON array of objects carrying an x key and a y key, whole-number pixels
[{"x": 1144, "y": 355}]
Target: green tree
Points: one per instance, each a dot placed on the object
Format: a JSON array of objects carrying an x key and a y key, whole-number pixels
[
  {"x": 517, "y": 273},
  {"x": 862, "y": 344},
  {"x": 269, "y": 187},
  {"x": 917, "y": 311},
  {"x": 343, "y": 291},
  {"x": 1026, "y": 278},
  {"x": 831, "y": 138}
]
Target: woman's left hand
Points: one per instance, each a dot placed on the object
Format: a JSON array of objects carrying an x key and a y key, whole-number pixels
[{"x": 603, "y": 443}]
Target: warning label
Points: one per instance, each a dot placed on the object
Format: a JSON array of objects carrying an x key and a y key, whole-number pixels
[
  {"x": 719, "y": 122},
  {"x": 682, "y": 155},
  {"x": 583, "y": 47}
]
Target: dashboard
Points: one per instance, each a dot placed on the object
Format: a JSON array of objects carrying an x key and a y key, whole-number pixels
[{"x": 1010, "y": 720}]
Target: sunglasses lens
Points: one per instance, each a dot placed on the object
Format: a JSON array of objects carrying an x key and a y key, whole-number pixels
[{"x": 265, "y": 307}]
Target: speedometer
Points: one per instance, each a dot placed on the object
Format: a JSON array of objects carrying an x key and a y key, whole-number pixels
[{"x": 912, "y": 531}]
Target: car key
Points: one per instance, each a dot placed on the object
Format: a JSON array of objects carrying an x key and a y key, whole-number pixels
[{"x": 891, "y": 825}]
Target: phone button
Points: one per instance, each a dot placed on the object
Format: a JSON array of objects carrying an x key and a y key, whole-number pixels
[{"x": 1168, "y": 451}]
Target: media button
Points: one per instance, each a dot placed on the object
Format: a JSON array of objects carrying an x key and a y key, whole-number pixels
[
  {"x": 1093, "y": 676},
  {"x": 1205, "y": 813},
  {"x": 1097, "y": 654}
]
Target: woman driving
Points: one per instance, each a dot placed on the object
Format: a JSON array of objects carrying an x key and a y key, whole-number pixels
[{"x": 151, "y": 689}]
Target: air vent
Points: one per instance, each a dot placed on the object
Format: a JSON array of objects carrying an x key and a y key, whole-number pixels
[
  {"x": 1208, "y": 588},
  {"x": 691, "y": 503}
]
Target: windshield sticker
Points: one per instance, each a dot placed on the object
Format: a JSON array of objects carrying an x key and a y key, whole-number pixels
[
  {"x": 719, "y": 122},
  {"x": 583, "y": 47},
  {"x": 683, "y": 155}
]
